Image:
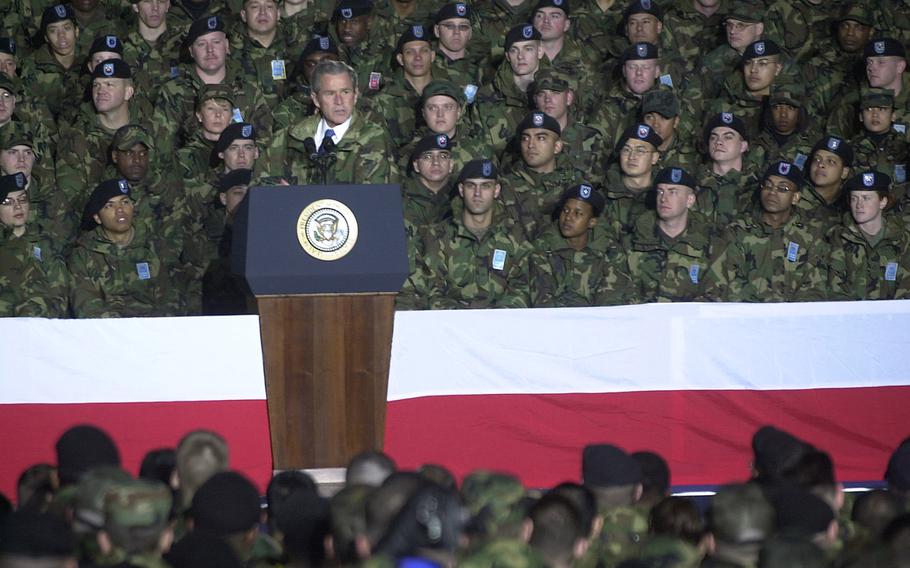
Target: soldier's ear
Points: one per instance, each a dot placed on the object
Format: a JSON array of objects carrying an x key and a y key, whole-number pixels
[
  {"x": 461, "y": 190},
  {"x": 883, "y": 203},
  {"x": 558, "y": 147},
  {"x": 690, "y": 200},
  {"x": 527, "y": 527},
  {"x": 97, "y": 218},
  {"x": 760, "y": 28},
  {"x": 901, "y": 66},
  {"x": 779, "y": 67},
  {"x": 399, "y": 59},
  {"x": 845, "y": 174},
  {"x": 130, "y": 91},
  {"x": 570, "y": 97},
  {"x": 243, "y": 15},
  {"x": 104, "y": 542},
  {"x": 496, "y": 191},
  {"x": 591, "y": 222},
  {"x": 222, "y": 197},
  {"x": 660, "y": 27},
  {"x": 796, "y": 197}
]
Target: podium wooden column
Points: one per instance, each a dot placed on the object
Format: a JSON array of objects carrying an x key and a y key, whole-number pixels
[{"x": 326, "y": 326}]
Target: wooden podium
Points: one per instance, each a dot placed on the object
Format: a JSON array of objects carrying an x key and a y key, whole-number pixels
[{"x": 325, "y": 264}]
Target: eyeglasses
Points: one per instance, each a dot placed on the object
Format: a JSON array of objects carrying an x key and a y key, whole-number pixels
[
  {"x": 779, "y": 188},
  {"x": 433, "y": 156},
  {"x": 737, "y": 26},
  {"x": 11, "y": 201},
  {"x": 638, "y": 151},
  {"x": 463, "y": 28},
  {"x": 447, "y": 107}
]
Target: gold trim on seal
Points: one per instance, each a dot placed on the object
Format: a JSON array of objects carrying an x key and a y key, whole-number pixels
[{"x": 327, "y": 229}]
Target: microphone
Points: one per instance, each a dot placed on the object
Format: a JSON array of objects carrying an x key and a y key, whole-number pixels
[
  {"x": 328, "y": 145},
  {"x": 310, "y": 146}
]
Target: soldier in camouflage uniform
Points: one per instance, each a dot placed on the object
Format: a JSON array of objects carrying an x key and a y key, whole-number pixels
[
  {"x": 266, "y": 51},
  {"x": 298, "y": 103},
  {"x": 879, "y": 146},
  {"x": 504, "y": 102},
  {"x": 829, "y": 168},
  {"x": 362, "y": 149},
  {"x": 461, "y": 60},
  {"x": 669, "y": 249},
  {"x": 214, "y": 105},
  {"x": 137, "y": 524},
  {"x": 870, "y": 251},
  {"x": 743, "y": 25},
  {"x": 618, "y": 109},
  {"x": 33, "y": 278},
  {"x": 495, "y": 19},
  {"x": 399, "y": 100},
  {"x": 426, "y": 191},
  {"x": 360, "y": 40},
  {"x": 886, "y": 66},
  {"x": 787, "y": 134},
  {"x": 596, "y": 22},
  {"x": 660, "y": 109},
  {"x": 51, "y": 73},
  {"x": 615, "y": 479},
  {"x": 477, "y": 259},
  {"x": 583, "y": 145},
  {"x": 727, "y": 181},
  {"x": 306, "y": 18},
  {"x": 208, "y": 47},
  {"x": 152, "y": 46},
  {"x": 775, "y": 255},
  {"x": 628, "y": 184},
  {"x": 391, "y": 17},
  {"x": 740, "y": 519},
  {"x": 565, "y": 54},
  {"x": 119, "y": 270},
  {"x": 575, "y": 263},
  {"x": 82, "y": 165},
  {"x": 534, "y": 186},
  {"x": 799, "y": 26},
  {"x": 745, "y": 93},
  {"x": 95, "y": 18},
  {"x": 442, "y": 111}
]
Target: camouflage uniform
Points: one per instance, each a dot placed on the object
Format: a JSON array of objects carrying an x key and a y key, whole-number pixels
[
  {"x": 388, "y": 25},
  {"x": 153, "y": 64},
  {"x": 398, "y": 103},
  {"x": 843, "y": 120},
  {"x": 670, "y": 270},
  {"x": 680, "y": 154},
  {"x": 716, "y": 66},
  {"x": 256, "y": 63},
  {"x": 814, "y": 206},
  {"x": 795, "y": 148},
  {"x": 503, "y": 553},
  {"x": 455, "y": 267},
  {"x": 47, "y": 80},
  {"x": 467, "y": 145},
  {"x": 759, "y": 263},
  {"x": 107, "y": 282},
  {"x": 858, "y": 270},
  {"x": 670, "y": 552},
  {"x": 724, "y": 198},
  {"x": 696, "y": 35},
  {"x": 798, "y": 26},
  {"x": 496, "y": 17},
  {"x": 364, "y": 154},
  {"x": 625, "y": 531},
  {"x": 624, "y": 205},
  {"x": 421, "y": 206},
  {"x": 595, "y": 27},
  {"x": 33, "y": 279},
  {"x": 500, "y": 107},
  {"x": 531, "y": 197},
  {"x": 135, "y": 506},
  {"x": 312, "y": 20},
  {"x": 564, "y": 277},
  {"x": 195, "y": 157},
  {"x": 889, "y": 155},
  {"x": 617, "y": 111},
  {"x": 584, "y": 148}
]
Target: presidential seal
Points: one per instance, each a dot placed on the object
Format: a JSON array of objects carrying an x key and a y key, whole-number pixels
[{"x": 327, "y": 229}]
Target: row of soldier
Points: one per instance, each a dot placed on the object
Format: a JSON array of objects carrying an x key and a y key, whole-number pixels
[
  {"x": 167, "y": 136},
  {"x": 188, "y": 509}
]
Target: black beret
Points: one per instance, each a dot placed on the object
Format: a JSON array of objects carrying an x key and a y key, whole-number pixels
[
  {"x": 884, "y": 47},
  {"x": 641, "y": 132},
  {"x": 234, "y": 131},
  {"x": 640, "y": 51},
  {"x": 451, "y": 11},
  {"x": 202, "y": 26},
  {"x": 201, "y": 550},
  {"x": 539, "y": 120},
  {"x": 106, "y": 43},
  {"x": 605, "y": 465},
  {"x": 431, "y": 142},
  {"x": 584, "y": 192},
  {"x": 799, "y": 512},
  {"x": 56, "y": 13},
  {"x": 676, "y": 176},
  {"x": 36, "y": 535},
  {"x": 12, "y": 183},
  {"x": 8, "y": 45},
  {"x": 726, "y": 119},
  {"x": 115, "y": 68},
  {"x": 415, "y": 32},
  {"x": 104, "y": 192},
  {"x": 561, "y": 4},
  {"x": 642, "y": 7},
  {"x": 350, "y": 9},
  {"x": 234, "y": 178},
  {"x": 523, "y": 32},
  {"x": 870, "y": 180},
  {"x": 84, "y": 447},
  {"x": 478, "y": 169},
  {"x": 786, "y": 170},
  {"x": 837, "y": 146},
  {"x": 760, "y": 48},
  {"x": 226, "y": 504},
  {"x": 319, "y": 44}
]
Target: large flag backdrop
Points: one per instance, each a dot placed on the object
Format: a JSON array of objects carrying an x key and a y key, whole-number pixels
[
  {"x": 146, "y": 381},
  {"x": 523, "y": 391}
]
